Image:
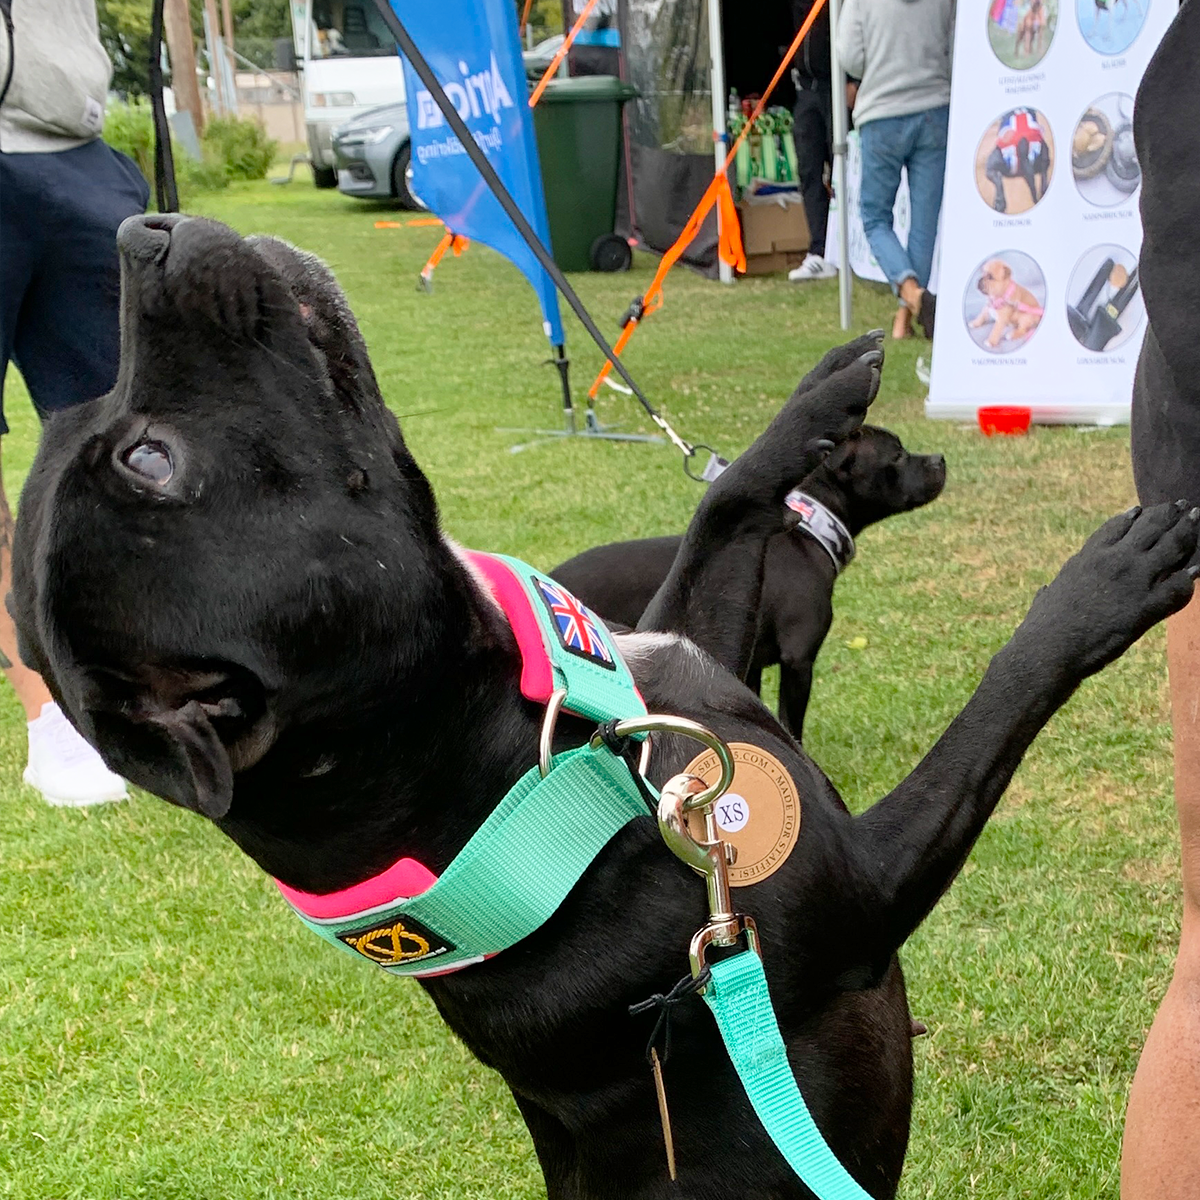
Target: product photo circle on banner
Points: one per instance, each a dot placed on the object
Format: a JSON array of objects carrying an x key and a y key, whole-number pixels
[
  {"x": 1014, "y": 162},
  {"x": 1020, "y": 31},
  {"x": 1111, "y": 26},
  {"x": 1104, "y": 298},
  {"x": 1103, "y": 158},
  {"x": 1005, "y": 301}
]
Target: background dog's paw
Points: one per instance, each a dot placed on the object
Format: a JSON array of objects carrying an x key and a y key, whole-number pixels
[
  {"x": 838, "y": 358},
  {"x": 1130, "y": 574},
  {"x": 838, "y": 405}
]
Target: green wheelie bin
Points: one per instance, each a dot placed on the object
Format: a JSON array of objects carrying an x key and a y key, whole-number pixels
[{"x": 578, "y": 125}]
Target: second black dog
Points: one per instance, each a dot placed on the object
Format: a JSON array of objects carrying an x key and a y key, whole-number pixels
[{"x": 869, "y": 477}]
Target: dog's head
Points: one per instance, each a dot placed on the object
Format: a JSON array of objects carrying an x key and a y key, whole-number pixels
[
  {"x": 880, "y": 478},
  {"x": 995, "y": 277},
  {"x": 191, "y": 546}
]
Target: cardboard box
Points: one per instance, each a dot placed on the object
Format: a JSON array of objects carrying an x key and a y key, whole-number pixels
[{"x": 774, "y": 232}]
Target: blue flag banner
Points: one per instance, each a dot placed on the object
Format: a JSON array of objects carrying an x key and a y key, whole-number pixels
[{"x": 474, "y": 51}]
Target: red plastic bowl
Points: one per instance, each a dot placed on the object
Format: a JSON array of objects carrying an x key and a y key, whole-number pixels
[{"x": 1004, "y": 418}]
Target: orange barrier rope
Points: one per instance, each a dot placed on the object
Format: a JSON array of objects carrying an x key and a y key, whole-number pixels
[
  {"x": 562, "y": 53},
  {"x": 717, "y": 193},
  {"x": 525, "y": 17},
  {"x": 407, "y": 224},
  {"x": 451, "y": 241}
]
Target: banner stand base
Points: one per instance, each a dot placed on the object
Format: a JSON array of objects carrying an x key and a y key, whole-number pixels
[
  {"x": 1092, "y": 414},
  {"x": 592, "y": 430}
]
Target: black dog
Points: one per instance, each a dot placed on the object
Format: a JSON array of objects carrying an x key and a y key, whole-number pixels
[
  {"x": 230, "y": 573},
  {"x": 1020, "y": 152},
  {"x": 868, "y": 477}
]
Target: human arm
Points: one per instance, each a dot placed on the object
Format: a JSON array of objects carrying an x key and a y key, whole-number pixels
[{"x": 851, "y": 42}]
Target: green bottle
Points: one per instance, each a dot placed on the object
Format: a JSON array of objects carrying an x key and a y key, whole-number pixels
[
  {"x": 789, "y": 166},
  {"x": 768, "y": 148}
]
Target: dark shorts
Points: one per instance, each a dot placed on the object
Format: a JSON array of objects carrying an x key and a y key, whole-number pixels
[{"x": 59, "y": 274}]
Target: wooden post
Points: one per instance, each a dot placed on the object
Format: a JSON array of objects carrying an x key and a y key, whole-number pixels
[
  {"x": 227, "y": 33},
  {"x": 214, "y": 32},
  {"x": 177, "y": 24}
]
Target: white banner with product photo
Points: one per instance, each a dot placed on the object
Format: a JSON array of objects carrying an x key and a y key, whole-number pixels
[{"x": 1038, "y": 300}]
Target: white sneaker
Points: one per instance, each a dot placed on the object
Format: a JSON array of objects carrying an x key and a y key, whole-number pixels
[
  {"x": 813, "y": 267},
  {"x": 64, "y": 768}
]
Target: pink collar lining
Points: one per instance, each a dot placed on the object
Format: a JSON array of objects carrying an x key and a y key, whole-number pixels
[{"x": 408, "y": 877}]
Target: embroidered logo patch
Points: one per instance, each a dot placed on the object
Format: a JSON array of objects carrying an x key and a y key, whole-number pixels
[
  {"x": 579, "y": 629},
  {"x": 399, "y": 941}
]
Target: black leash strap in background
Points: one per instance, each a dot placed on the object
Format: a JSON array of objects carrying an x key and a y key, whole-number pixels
[
  {"x": 165, "y": 194},
  {"x": 485, "y": 168}
]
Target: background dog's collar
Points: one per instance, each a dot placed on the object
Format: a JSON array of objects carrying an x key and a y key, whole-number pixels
[{"x": 817, "y": 521}]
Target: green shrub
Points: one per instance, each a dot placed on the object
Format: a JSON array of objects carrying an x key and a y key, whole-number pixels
[
  {"x": 231, "y": 148},
  {"x": 241, "y": 147},
  {"x": 130, "y": 129}
]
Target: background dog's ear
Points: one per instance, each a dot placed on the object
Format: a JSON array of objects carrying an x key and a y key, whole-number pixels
[
  {"x": 174, "y": 753},
  {"x": 840, "y": 462}
]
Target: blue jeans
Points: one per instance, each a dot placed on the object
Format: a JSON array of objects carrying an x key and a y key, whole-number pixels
[{"x": 916, "y": 141}]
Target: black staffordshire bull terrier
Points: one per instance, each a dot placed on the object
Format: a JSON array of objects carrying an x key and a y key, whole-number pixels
[
  {"x": 868, "y": 477},
  {"x": 230, "y": 572}
]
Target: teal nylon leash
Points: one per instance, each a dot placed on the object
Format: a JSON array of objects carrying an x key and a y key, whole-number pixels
[{"x": 739, "y": 999}]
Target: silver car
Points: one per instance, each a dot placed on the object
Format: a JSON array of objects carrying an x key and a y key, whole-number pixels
[{"x": 372, "y": 155}]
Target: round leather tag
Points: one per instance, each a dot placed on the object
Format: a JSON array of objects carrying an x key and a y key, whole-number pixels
[{"x": 759, "y": 815}]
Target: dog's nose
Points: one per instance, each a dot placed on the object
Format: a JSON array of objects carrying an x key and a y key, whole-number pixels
[{"x": 148, "y": 237}]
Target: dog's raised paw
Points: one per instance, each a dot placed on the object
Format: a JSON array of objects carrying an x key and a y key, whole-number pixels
[{"x": 1130, "y": 574}]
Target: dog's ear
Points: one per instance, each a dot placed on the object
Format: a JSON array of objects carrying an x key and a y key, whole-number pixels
[
  {"x": 176, "y": 754},
  {"x": 841, "y": 459},
  {"x": 1002, "y": 268}
]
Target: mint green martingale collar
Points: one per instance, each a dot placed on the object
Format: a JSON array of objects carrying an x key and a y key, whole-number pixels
[{"x": 518, "y": 867}]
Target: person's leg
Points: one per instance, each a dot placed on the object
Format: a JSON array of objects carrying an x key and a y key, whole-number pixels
[
  {"x": 926, "y": 178},
  {"x": 20, "y": 245},
  {"x": 66, "y": 342},
  {"x": 811, "y": 149},
  {"x": 885, "y": 145},
  {"x": 1160, "y": 1158}
]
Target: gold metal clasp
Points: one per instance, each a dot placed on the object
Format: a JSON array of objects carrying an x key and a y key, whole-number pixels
[{"x": 711, "y": 858}]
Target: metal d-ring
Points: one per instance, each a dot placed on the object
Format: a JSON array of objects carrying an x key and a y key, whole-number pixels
[
  {"x": 685, "y": 727},
  {"x": 554, "y": 705}
]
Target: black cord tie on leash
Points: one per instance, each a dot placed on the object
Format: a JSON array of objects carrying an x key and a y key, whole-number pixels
[
  {"x": 688, "y": 986},
  {"x": 635, "y": 312},
  {"x": 621, "y": 747}
]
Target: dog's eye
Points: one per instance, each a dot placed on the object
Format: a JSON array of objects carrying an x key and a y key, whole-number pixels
[{"x": 151, "y": 460}]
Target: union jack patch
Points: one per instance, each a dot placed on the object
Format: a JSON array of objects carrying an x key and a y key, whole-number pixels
[
  {"x": 579, "y": 629},
  {"x": 799, "y": 504}
]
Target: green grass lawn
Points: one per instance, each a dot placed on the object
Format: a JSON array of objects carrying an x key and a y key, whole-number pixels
[{"x": 169, "y": 1030}]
